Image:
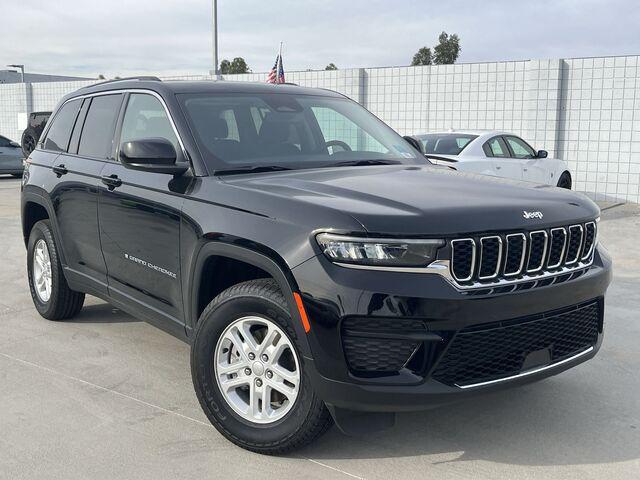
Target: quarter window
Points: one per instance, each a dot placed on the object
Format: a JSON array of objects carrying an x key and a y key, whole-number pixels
[
  {"x": 520, "y": 148},
  {"x": 97, "y": 133},
  {"x": 146, "y": 118},
  {"x": 60, "y": 131}
]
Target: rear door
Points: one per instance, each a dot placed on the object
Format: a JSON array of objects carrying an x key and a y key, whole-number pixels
[
  {"x": 75, "y": 192},
  {"x": 503, "y": 165},
  {"x": 140, "y": 214}
]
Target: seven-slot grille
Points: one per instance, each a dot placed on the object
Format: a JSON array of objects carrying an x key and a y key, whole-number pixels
[{"x": 484, "y": 260}]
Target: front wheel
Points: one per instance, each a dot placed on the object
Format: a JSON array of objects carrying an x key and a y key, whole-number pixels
[
  {"x": 50, "y": 292},
  {"x": 248, "y": 372}
]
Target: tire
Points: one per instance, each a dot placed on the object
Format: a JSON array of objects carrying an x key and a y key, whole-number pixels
[
  {"x": 307, "y": 417},
  {"x": 61, "y": 303},
  {"x": 29, "y": 140},
  {"x": 565, "y": 181}
]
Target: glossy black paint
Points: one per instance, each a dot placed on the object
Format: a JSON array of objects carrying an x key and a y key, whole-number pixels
[{"x": 141, "y": 241}]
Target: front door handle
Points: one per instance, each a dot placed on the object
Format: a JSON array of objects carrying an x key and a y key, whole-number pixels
[
  {"x": 111, "y": 181},
  {"x": 498, "y": 167},
  {"x": 60, "y": 170}
]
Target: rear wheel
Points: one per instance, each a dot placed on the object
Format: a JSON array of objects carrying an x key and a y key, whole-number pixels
[
  {"x": 50, "y": 292},
  {"x": 565, "y": 181},
  {"x": 248, "y": 372}
]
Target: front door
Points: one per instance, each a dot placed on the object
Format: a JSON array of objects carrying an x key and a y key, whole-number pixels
[
  {"x": 532, "y": 167},
  {"x": 140, "y": 216}
]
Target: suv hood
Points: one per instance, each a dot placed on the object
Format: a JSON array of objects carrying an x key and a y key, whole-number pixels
[{"x": 423, "y": 200}]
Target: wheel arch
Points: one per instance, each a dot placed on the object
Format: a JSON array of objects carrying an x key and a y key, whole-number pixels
[{"x": 265, "y": 261}]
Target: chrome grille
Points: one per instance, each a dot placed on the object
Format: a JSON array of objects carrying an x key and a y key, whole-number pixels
[{"x": 496, "y": 260}]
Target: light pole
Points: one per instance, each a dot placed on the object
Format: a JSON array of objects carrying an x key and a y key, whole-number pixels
[
  {"x": 215, "y": 38},
  {"x": 21, "y": 67}
]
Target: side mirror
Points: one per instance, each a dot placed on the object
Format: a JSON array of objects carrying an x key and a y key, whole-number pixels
[
  {"x": 14, "y": 144},
  {"x": 415, "y": 143},
  {"x": 151, "y": 155},
  {"x": 542, "y": 154}
]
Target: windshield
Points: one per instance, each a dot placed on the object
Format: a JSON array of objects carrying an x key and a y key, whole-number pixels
[
  {"x": 445, "y": 143},
  {"x": 280, "y": 131}
]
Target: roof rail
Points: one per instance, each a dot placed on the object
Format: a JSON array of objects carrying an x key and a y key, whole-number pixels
[{"x": 142, "y": 77}]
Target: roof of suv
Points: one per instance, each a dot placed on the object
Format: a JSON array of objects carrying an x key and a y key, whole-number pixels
[{"x": 205, "y": 86}]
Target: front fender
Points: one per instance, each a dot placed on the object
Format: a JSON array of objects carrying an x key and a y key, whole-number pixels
[{"x": 276, "y": 267}]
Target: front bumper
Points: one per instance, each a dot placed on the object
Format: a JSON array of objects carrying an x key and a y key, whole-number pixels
[{"x": 333, "y": 295}]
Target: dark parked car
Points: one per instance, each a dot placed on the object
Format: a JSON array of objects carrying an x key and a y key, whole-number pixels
[
  {"x": 317, "y": 264},
  {"x": 31, "y": 135},
  {"x": 10, "y": 157}
]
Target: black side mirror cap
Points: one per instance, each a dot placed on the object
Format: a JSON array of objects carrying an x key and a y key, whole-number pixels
[
  {"x": 542, "y": 154},
  {"x": 151, "y": 155},
  {"x": 415, "y": 143}
]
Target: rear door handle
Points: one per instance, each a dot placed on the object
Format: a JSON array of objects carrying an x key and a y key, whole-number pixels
[
  {"x": 111, "y": 181},
  {"x": 60, "y": 170}
]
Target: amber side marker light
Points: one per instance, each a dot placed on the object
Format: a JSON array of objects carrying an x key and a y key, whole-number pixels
[{"x": 303, "y": 312}]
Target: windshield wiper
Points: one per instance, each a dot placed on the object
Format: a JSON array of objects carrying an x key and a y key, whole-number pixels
[
  {"x": 258, "y": 169},
  {"x": 361, "y": 163}
]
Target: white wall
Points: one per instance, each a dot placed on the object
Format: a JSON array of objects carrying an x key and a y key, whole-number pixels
[{"x": 586, "y": 110}]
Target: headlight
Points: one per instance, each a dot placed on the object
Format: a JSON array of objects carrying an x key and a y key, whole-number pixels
[{"x": 377, "y": 251}]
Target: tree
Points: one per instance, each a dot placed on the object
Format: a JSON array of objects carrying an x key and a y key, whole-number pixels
[
  {"x": 101, "y": 77},
  {"x": 448, "y": 50},
  {"x": 331, "y": 66},
  {"x": 238, "y": 65},
  {"x": 423, "y": 57}
]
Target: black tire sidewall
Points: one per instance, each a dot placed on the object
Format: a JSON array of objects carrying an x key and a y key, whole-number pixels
[
  {"x": 28, "y": 133},
  {"x": 211, "y": 326},
  {"x": 42, "y": 230}
]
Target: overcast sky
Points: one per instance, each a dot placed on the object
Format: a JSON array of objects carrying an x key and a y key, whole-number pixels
[{"x": 125, "y": 37}]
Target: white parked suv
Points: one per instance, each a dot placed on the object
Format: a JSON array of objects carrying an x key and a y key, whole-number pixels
[{"x": 500, "y": 154}]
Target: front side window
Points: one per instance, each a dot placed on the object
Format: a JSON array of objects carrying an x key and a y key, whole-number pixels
[
  {"x": 146, "y": 118},
  {"x": 96, "y": 140},
  {"x": 520, "y": 148},
  {"x": 445, "y": 144},
  {"x": 239, "y": 130},
  {"x": 57, "y": 138}
]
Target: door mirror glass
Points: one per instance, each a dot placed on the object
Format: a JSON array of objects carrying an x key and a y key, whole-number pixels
[
  {"x": 542, "y": 154},
  {"x": 151, "y": 155}
]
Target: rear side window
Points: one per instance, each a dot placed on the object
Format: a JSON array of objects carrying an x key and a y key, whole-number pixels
[
  {"x": 60, "y": 130},
  {"x": 495, "y": 148},
  {"x": 97, "y": 133}
]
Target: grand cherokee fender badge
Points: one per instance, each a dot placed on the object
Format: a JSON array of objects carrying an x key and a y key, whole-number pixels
[
  {"x": 150, "y": 265},
  {"x": 535, "y": 214}
]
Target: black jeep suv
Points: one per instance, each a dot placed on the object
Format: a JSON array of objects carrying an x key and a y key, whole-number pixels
[{"x": 319, "y": 266}]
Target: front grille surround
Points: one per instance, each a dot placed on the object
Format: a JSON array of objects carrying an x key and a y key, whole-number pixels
[
  {"x": 486, "y": 257},
  {"x": 535, "y": 256},
  {"x": 555, "y": 233},
  {"x": 521, "y": 256}
]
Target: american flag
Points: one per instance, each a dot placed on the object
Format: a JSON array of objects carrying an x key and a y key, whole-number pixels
[{"x": 276, "y": 75}]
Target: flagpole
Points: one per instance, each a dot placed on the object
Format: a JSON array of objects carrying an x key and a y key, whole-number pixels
[{"x": 279, "y": 59}]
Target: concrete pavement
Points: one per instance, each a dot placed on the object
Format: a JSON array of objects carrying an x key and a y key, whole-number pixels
[{"x": 105, "y": 396}]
